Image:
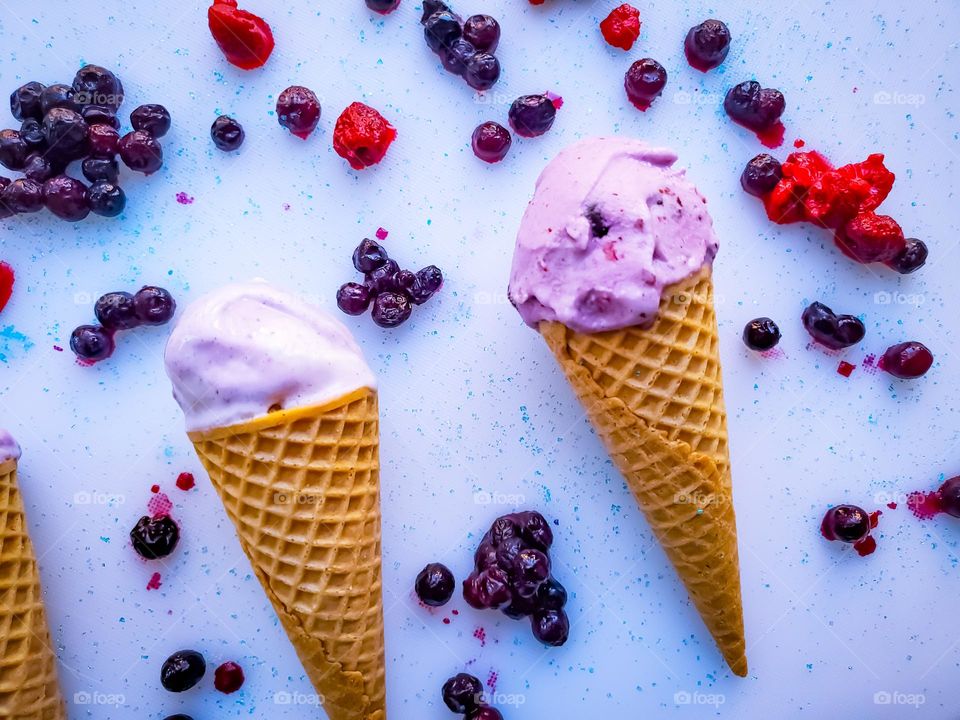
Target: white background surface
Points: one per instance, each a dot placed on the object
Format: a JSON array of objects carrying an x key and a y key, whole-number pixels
[{"x": 471, "y": 400}]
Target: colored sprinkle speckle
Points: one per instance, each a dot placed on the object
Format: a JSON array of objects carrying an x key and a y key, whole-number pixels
[
  {"x": 154, "y": 583},
  {"x": 185, "y": 481},
  {"x": 446, "y": 621},
  {"x": 184, "y": 199},
  {"x": 481, "y": 635},
  {"x": 58, "y": 348},
  {"x": 7, "y": 279},
  {"x": 555, "y": 99},
  {"x": 892, "y": 505},
  {"x": 845, "y": 368},
  {"x": 382, "y": 234},
  {"x": 159, "y": 505},
  {"x": 492, "y": 680}
]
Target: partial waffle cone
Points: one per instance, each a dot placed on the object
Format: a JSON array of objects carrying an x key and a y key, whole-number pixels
[
  {"x": 303, "y": 489},
  {"x": 28, "y": 666},
  {"x": 655, "y": 397}
]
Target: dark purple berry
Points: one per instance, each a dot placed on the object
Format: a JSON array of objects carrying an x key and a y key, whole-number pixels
[
  {"x": 228, "y": 678},
  {"x": 913, "y": 257},
  {"x": 103, "y": 141},
  {"x": 503, "y": 527},
  {"x": 761, "y": 175},
  {"x": 485, "y": 555},
  {"x": 57, "y": 96},
  {"x": 383, "y": 278},
  {"x": 95, "y": 85},
  {"x": 907, "y": 360},
  {"x": 507, "y": 552},
  {"x": 456, "y": 56},
  {"x": 383, "y": 6},
  {"x": 429, "y": 281},
  {"x": 551, "y": 627},
  {"x": 846, "y": 523},
  {"x": 484, "y": 712},
  {"x": 66, "y": 197},
  {"x": 462, "y": 693},
  {"x": 430, "y": 7},
  {"x": 25, "y": 101},
  {"x": 530, "y": 570},
  {"x": 298, "y": 110},
  {"x": 833, "y": 331},
  {"x": 107, "y": 199},
  {"x": 116, "y": 311},
  {"x": 753, "y": 106},
  {"x": 40, "y": 168},
  {"x": 950, "y": 497},
  {"x": 761, "y": 334},
  {"x": 482, "y": 72},
  {"x": 441, "y": 29},
  {"x": 13, "y": 150},
  {"x": 353, "y": 298},
  {"x": 92, "y": 343},
  {"x": 521, "y": 607},
  {"x": 31, "y": 132},
  {"x": 535, "y": 529},
  {"x": 100, "y": 115},
  {"x": 97, "y": 169},
  {"x": 644, "y": 82},
  {"x": 483, "y": 32},
  {"x": 66, "y": 133},
  {"x": 178, "y": 716},
  {"x": 472, "y": 592},
  {"x": 491, "y": 142},
  {"x": 227, "y": 133},
  {"x": 151, "y": 119},
  {"x": 182, "y": 670},
  {"x": 532, "y": 115},
  {"x": 391, "y": 309},
  {"x": 404, "y": 281},
  {"x": 707, "y": 44},
  {"x": 22, "y": 196},
  {"x": 155, "y": 537},
  {"x": 435, "y": 585},
  {"x": 369, "y": 256},
  {"x": 141, "y": 152},
  {"x": 154, "y": 305},
  {"x": 551, "y": 595}
]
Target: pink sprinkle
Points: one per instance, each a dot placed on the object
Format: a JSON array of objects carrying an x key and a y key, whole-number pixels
[
  {"x": 798, "y": 143},
  {"x": 382, "y": 234},
  {"x": 185, "y": 481},
  {"x": 286, "y": 206},
  {"x": 184, "y": 199},
  {"x": 58, "y": 348},
  {"x": 154, "y": 583},
  {"x": 555, "y": 99},
  {"x": 925, "y": 505},
  {"x": 481, "y": 635},
  {"x": 845, "y": 368},
  {"x": 159, "y": 505},
  {"x": 492, "y": 680},
  {"x": 875, "y": 518},
  {"x": 892, "y": 505},
  {"x": 773, "y": 354},
  {"x": 155, "y": 489}
]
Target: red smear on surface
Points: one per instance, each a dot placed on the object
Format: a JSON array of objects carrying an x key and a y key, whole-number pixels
[
  {"x": 481, "y": 635},
  {"x": 159, "y": 505},
  {"x": 892, "y": 505},
  {"x": 865, "y": 547},
  {"x": 772, "y": 137},
  {"x": 7, "y": 279},
  {"x": 154, "y": 583},
  {"x": 184, "y": 199},
  {"x": 798, "y": 143},
  {"x": 925, "y": 505},
  {"x": 154, "y": 489},
  {"x": 555, "y": 99},
  {"x": 492, "y": 680},
  {"x": 845, "y": 368},
  {"x": 382, "y": 234},
  {"x": 446, "y": 621},
  {"x": 185, "y": 481},
  {"x": 58, "y": 348},
  {"x": 454, "y": 612},
  {"x": 875, "y": 518},
  {"x": 773, "y": 354},
  {"x": 85, "y": 363}
]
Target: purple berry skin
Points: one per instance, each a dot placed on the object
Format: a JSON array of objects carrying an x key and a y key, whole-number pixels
[
  {"x": 353, "y": 298},
  {"x": 551, "y": 627},
  {"x": 435, "y": 585}
]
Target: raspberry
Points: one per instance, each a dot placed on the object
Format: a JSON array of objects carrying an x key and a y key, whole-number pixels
[
  {"x": 622, "y": 26},
  {"x": 871, "y": 238},
  {"x": 362, "y": 136},
  {"x": 806, "y": 167},
  {"x": 784, "y": 203},
  {"x": 833, "y": 200},
  {"x": 873, "y": 176}
]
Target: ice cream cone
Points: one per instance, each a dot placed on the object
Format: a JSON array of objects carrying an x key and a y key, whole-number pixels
[
  {"x": 655, "y": 397},
  {"x": 28, "y": 665},
  {"x": 302, "y": 488}
]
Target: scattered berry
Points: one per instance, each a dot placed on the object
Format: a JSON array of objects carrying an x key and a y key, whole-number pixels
[
  {"x": 22, "y": 196},
  {"x": 151, "y": 119},
  {"x": 761, "y": 175},
  {"x": 31, "y": 132},
  {"x": 430, "y": 7},
  {"x": 761, "y": 334},
  {"x": 97, "y": 169},
  {"x": 483, "y": 32},
  {"x": 532, "y": 115},
  {"x": 486, "y": 712},
  {"x": 141, "y": 152},
  {"x": 245, "y": 39},
  {"x": 353, "y": 298},
  {"x": 103, "y": 141},
  {"x": 228, "y": 678},
  {"x": 106, "y": 199},
  {"x": 644, "y": 82},
  {"x": 753, "y": 106},
  {"x": 13, "y": 150},
  {"x": 116, "y": 311},
  {"x": 435, "y": 585},
  {"x": 551, "y": 627},
  {"x": 154, "y": 305},
  {"x": 362, "y": 136},
  {"x": 912, "y": 258},
  {"x": 100, "y": 115},
  {"x": 482, "y": 71},
  {"x": 846, "y": 523},
  {"x": 66, "y": 198},
  {"x": 429, "y": 280},
  {"x": 391, "y": 309},
  {"x": 66, "y": 134},
  {"x": 491, "y": 142},
  {"x": 462, "y": 693},
  {"x": 57, "y": 96},
  {"x": 92, "y": 343},
  {"x": 707, "y": 45},
  {"x": 25, "y": 101},
  {"x": 457, "y": 56},
  {"x": 441, "y": 29},
  {"x": 155, "y": 538},
  {"x": 621, "y": 28},
  {"x": 383, "y": 6},
  {"x": 950, "y": 497},
  {"x": 298, "y": 110},
  {"x": 182, "y": 670},
  {"x": 40, "y": 168},
  {"x": 831, "y": 330},
  {"x": 369, "y": 256},
  {"x": 95, "y": 85},
  {"x": 227, "y": 133},
  {"x": 907, "y": 360}
]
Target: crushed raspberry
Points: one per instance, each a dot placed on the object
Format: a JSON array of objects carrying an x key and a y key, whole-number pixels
[
  {"x": 622, "y": 27},
  {"x": 245, "y": 39},
  {"x": 873, "y": 176},
  {"x": 362, "y": 136},
  {"x": 7, "y": 278},
  {"x": 784, "y": 204},
  {"x": 871, "y": 238},
  {"x": 185, "y": 481}
]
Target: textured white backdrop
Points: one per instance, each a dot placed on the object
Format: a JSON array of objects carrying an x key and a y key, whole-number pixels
[{"x": 471, "y": 401}]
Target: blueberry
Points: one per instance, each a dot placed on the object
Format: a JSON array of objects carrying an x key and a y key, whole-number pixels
[
  {"x": 106, "y": 199},
  {"x": 92, "y": 343},
  {"x": 435, "y": 585},
  {"x": 66, "y": 133},
  {"x": 761, "y": 175},
  {"x": 483, "y": 32},
  {"x": 761, "y": 334},
  {"x": 913, "y": 257},
  {"x": 521, "y": 607},
  {"x": 431, "y": 7},
  {"x": 485, "y": 555},
  {"x": 950, "y": 496},
  {"x": 66, "y": 197},
  {"x": 530, "y": 570},
  {"x": 31, "y": 132},
  {"x": 141, "y": 152},
  {"x": 707, "y": 44},
  {"x": 753, "y": 106},
  {"x": 507, "y": 552},
  {"x": 391, "y": 309},
  {"x": 57, "y": 96},
  {"x": 847, "y": 523},
  {"x": 484, "y": 712},
  {"x": 25, "y": 101},
  {"x": 456, "y": 57},
  {"x": 353, "y": 298},
  {"x": 491, "y": 142},
  {"x": 155, "y": 538},
  {"x": 13, "y": 150},
  {"x": 441, "y": 29},
  {"x": 551, "y": 595},
  {"x": 298, "y": 110},
  {"x": 535, "y": 530},
  {"x": 154, "y": 305},
  {"x": 482, "y": 71},
  {"x": 381, "y": 279},
  {"x": 40, "y": 168},
  {"x": 95, "y": 85},
  {"x": 103, "y": 140},
  {"x": 182, "y": 670},
  {"x": 503, "y": 527},
  {"x": 428, "y": 281},
  {"x": 489, "y": 588},
  {"x": 151, "y": 119},
  {"x": 644, "y": 82},
  {"x": 551, "y": 627},
  {"x": 462, "y": 693},
  {"x": 369, "y": 256},
  {"x": 532, "y": 115},
  {"x": 116, "y": 311},
  {"x": 227, "y": 133},
  {"x": 100, "y": 115},
  {"x": 833, "y": 331},
  {"x": 907, "y": 360},
  {"x": 97, "y": 169},
  {"x": 383, "y": 6},
  {"x": 22, "y": 196}
]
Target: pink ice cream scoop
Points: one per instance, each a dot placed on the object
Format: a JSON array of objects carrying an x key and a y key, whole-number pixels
[{"x": 611, "y": 224}]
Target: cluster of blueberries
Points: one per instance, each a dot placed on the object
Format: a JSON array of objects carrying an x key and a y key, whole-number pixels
[
  {"x": 466, "y": 48},
  {"x": 117, "y": 311}
]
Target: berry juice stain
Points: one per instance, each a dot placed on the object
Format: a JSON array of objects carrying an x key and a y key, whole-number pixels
[
  {"x": 184, "y": 199},
  {"x": 555, "y": 99},
  {"x": 772, "y": 137},
  {"x": 154, "y": 489},
  {"x": 185, "y": 481},
  {"x": 159, "y": 505},
  {"x": 892, "y": 505},
  {"x": 154, "y": 583},
  {"x": 446, "y": 621},
  {"x": 925, "y": 505},
  {"x": 845, "y": 368},
  {"x": 492, "y": 680},
  {"x": 865, "y": 547},
  {"x": 798, "y": 143},
  {"x": 481, "y": 635},
  {"x": 7, "y": 279},
  {"x": 870, "y": 364},
  {"x": 58, "y": 348}
]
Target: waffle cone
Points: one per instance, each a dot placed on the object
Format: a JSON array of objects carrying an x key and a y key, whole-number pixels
[
  {"x": 303, "y": 490},
  {"x": 655, "y": 397},
  {"x": 28, "y": 666}
]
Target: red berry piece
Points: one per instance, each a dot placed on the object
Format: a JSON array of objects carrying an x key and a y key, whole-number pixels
[
  {"x": 228, "y": 678},
  {"x": 245, "y": 39},
  {"x": 362, "y": 136},
  {"x": 621, "y": 28},
  {"x": 7, "y": 280},
  {"x": 298, "y": 110},
  {"x": 907, "y": 360},
  {"x": 871, "y": 238}
]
